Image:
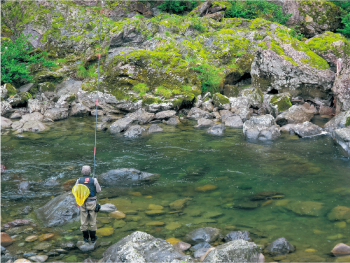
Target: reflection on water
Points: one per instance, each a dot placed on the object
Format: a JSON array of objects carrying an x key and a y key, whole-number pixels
[{"x": 214, "y": 181}]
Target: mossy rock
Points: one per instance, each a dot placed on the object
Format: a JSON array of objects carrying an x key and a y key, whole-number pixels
[
  {"x": 347, "y": 122},
  {"x": 281, "y": 101},
  {"x": 21, "y": 99},
  {"x": 11, "y": 90},
  {"x": 48, "y": 76},
  {"x": 255, "y": 95},
  {"x": 71, "y": 98},
  {"x": 148, "y": 100},
  {"x": 47, "y": 86},
  {"x": 219, "y": 100}
]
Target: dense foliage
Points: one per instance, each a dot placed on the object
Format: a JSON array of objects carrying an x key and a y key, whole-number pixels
[
  {"x": 251, "y": 9},
  {"x": 210, "y": 77},
  {"x": 345, "y": 17},
  {"x": 17, "y": 56},
  {"x": 177, "y": 7}
]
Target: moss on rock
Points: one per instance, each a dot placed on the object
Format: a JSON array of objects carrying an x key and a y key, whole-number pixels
[
  {"x": 11, "y": 90},
  {"x": 347, "y": 123},
  {"x": 220, "y": 100},
  {"x": 71, "y": 98},
  {"x": 282, "y": 102},
  {"x": 47, "y": 86}
]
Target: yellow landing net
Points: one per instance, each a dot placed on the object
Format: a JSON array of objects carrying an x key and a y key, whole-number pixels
[{"x": 80, "y": 192}]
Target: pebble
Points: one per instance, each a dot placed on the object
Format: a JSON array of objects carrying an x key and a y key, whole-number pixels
[
  {"x": 155, "y": 207},
  {"x": 182, "y": 246},
  {"x": 42, "y": 246},
  {"x": 341, "y": 249},
  {"x": 173, "y": 226},
  {"x": 117, "y": 215},
  {"x": 155, "y": 212},
  {"x": 87, "y": 246},
  {"x": 155, "y": 223},
  {"x": 135, "y": 193},
  {"x": 39, "y": 258},
  {"x": 47, "y": 236},
  {"x": 205, "y": 188},
  {"x": 119, "y": 224},
  {"x": 310, "y": 250},
  {"x": 21, "y": 244},
  {"x": 31, "y": 238},
  {"x": 179, "y": 204},
  {"x": 106, "y": 231},
  {"x": 29, "y": 254},
  {"x": 340, "y": 224},
  {"x": 173, "y": 240}
]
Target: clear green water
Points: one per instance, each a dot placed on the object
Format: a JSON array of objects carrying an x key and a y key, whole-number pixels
[{"x": 314, "y": 169}]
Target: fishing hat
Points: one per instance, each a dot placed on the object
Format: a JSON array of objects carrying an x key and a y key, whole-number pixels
[{"x": 86, "y": 170}]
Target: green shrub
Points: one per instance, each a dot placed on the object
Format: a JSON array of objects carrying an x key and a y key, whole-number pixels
[
  {"x": 197, "y": 24},
  {"x": 16, "y": 57},
  {"x": 177, "y": 7},
  {"x": 345, "y": 30},
  {"x": 210, "y": 76},
  {"x": 164, "y": 92},
  {"x": 82, "y": 72},
  {"x": 141, "y": 88},
  {"x": 252, "y": 9}
]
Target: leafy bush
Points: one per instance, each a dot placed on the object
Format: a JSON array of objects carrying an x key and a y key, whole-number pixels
[
  {"x": 177, "y": 7},
  {"x": 345, "y": 17},
  {"x": 141, "y": 88},
  {"x": 17, "y": 56},
  {"x": 164, "y": 92},
  {"x": 251, "y": 9},
  {"x": 210, "y": 76}
]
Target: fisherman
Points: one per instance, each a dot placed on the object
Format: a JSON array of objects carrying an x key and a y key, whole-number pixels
[{"x": 87, "y": 210}]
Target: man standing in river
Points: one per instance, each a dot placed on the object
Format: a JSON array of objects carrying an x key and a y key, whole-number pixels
[{"x": 87, "y": 210}]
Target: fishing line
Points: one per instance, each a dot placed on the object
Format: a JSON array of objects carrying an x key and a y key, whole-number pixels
[{"x": 98, "y": 82}]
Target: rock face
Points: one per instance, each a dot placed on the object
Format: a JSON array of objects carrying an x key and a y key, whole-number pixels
[
  {"x": 142, "y": 247},
  {"x": 125, "y": 176},
  {"x": 234, "y": 251},
  {"x": 342, "y": 136},
  {"x": 204, "y": 234},
  {"x": 59, "y": 211},
  {"x": 280, "y": 246},
  {"x": 261, "y": 128},
  {"x": 296, "y": 114}
]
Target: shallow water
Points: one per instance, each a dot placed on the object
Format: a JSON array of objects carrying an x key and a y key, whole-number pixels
[{"x": 312, "y": 169}]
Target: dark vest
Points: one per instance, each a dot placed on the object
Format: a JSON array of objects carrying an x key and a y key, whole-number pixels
[{"x": 90, "y": 183}]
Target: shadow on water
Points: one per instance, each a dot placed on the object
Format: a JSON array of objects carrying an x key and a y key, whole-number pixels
[{"x": 215, "y": 177}]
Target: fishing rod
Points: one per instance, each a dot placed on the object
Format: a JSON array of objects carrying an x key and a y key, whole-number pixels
[{"x": 98, "y": 82}]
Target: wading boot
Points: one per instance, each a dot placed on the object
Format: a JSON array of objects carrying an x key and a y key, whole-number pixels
[
  {"x": 93, "y": 236},
  {"x": 86, "y": 235}
]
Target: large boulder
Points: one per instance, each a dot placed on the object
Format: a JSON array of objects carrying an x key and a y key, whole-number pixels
[
  {"x": 221, "y": 101},
  {"x": 5, "y": 123},
  {"x": 341, "y": 120},
  {"x": 296, "y": 114},
  {"x": 261, "y": 128},
  {"x": 34, "y": 126},
  {"x": 196, "y": 114},
  {"x": 142, "y": 247},
  {"x": 205, "y": 123},
  {"x": 121, "y": 125},
  {"x": 56, "y": 114},
  {"x": 79, "y": 110},
  {"x": 141, "y": 116},
  {"x": 35, "y": 116},
  {"x": 234, "y": 251},
  {"x": 234, "y": 122},
  {"x": 204, "y": 234},
  {"x": 165, "y": 114},
  {"x": 254, "y": 96},
  {"x": 241, "y": 107},
  {"x": 125, "y": 176},
  {"x": 305, "y": 129},
  {"x": 342, "y": 136},
  {"x": 59, "y": 211}
]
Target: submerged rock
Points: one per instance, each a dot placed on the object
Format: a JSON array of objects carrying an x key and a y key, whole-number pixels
[
  {"x": 204, "y": 234},
  {"x": 107, "y": 208},
  {"x": 266, "y": 195},
  {"x": 235, "y": 235},
  {"x": 142, "y": 247},
  {"x": 200, "y": 246},
  {"x": 121, "y": 125},
  {"x": 280, "y": 246},
  {"x": 339, "y": 213},
  {"x": 234, "y": 251},
  {"x": 34, "y": 126},
  {"x": 134, "y": 131},
  {"x": 202, "y": 122},
  {"x": 39, "y": 258},
  {"x": 306, "y": 208},
  {"x": 6, "y": 240},
  {"x": 154, "y": 128},
  {"x": 217, "y": 129},
  {"x": 59, "y": 211},
  {"x": 125, "y": 176}
]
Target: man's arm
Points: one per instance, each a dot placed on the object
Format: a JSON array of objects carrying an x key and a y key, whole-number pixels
[
  {"x": 77, "y": 181},
  {"x": 97, "y": 185}
]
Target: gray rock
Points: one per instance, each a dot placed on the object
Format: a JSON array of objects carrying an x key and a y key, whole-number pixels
[
  {"x": 125, "y": 176},
  {"x": 29, "y": 254},
  {"x": 224, "y": 114},
  {"x": 235, "y": 235},
  {"x": 59, "y": 211},
  {"x": 165, "y": 114},
  {"x": 200, "y": 252},
  {"x": 141, "y": 116},
  {"x": 198, "y": 101},
  {"x": 134, "y": 131},
  {"x": 234, "y": 251},
  {"x": 342, "y": 136},
  {"x": 129, "y": 106},
  {"x": 68, "y": 245},
  {"x": 5, "y": 123},
  {"x": 26, "y": 210},
  {"x": 261, "y": 128},
  {"x": 56, "y": 114},
  {"x": 217, "y": 129},
  {"x": 6, "y": 109},
  {"x": 196, "y": 114},
  {"x": 142, "y": 247},
  {"x": 296, "y": 114},
  {"x": 241, "y": 107},
  {"x": 39, "y": 258},
  {"x": 200, "y": 245},
  {"x": 79, "y": 110},
  {"x": 254, "y": 96},
  {"x": 98, "y": 113},
  {"x": 207, "y": 105},
  {"x": 17, "y": 125},
  {"x": 205, "y": 123},
  {"x": 338, "y": 122},
  {"x": 341, "y": 84},
  {"x": 3, "y": 91},
  {"x": 34, "y": 105},
  {"x": 234, "y": 122},
  {"x": 306, "y": 129},
  {"x": 87, "y": 246},
  {"x": 204, "y": 234},
  {"x": 280, "y": 246},
  {"x": 154, "y": 128},
  {"x": 26, "y": 88},
  {"x": 172, "y": 121},
  {"x": 155, "y": 107},
  {"x": 23, "y": 186},
  {"x": 3, "y": 250},
  {"x": 43, "y": 246},
  {"x": 35, "y": 116},
  {"x": 121, "y": 125},
  {"x": 69, "y": 86},
  {"x": 182, "y": 246},
  {"x": 16, "y": 115},
  {"x": 108, "y": 208},
  {"x": 34, "y": 126}
]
